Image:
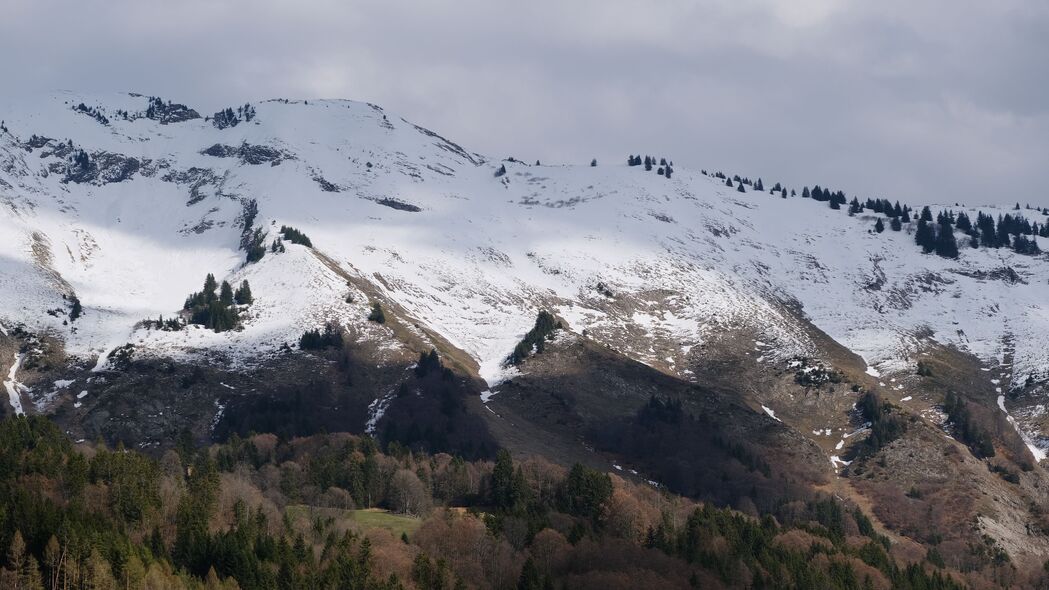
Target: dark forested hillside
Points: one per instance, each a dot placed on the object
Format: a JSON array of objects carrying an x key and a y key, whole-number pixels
[{"x": 335, "y": 511}]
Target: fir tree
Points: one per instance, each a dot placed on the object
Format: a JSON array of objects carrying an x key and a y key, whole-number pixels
[
  {"x": 377, "y": 315},
  {"x": 925, "y": 236},
  {"x": 895, "y": 224},
  {"x": 226, "y": 294},
  {"x": 946, "y": 246},
  {"x": 879, "y": 226},
  {"x": 243, "y": 294},
  {"x": 76, "y": 310}
]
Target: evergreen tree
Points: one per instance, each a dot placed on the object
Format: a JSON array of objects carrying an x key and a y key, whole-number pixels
[
  {"x": 226, "y": 294},
  {"x": 895, "y": 224},
  {"x": 593, "y": 162},
  {"x": 500, "y": 171},
  {"x": 946, "y": 246},
  {"x": 209, "y": 287},
  {"x": 739, "y": 188},
  {"x": 879, "y": 226},
  {"x": 507, "y": 486},
  {"x": 295, "y": 236},
  {"x": 377, "y": 315},
  {"x": 925, "y": 236},
  {"x": 243, "y": 294}
]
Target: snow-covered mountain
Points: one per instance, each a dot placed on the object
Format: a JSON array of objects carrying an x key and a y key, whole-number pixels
[{"x": 125, "y": 203}]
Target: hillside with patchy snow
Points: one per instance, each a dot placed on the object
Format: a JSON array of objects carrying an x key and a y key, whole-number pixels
[{"x": 128, "y": 203}]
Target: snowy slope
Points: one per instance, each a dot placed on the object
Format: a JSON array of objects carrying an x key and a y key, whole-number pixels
[{"x": 472, "y": 255}]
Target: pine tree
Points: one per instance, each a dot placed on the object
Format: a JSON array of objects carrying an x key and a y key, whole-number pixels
[
  {"x": 593, "y": 163},
  {"x": 377, "y": 315},
  {"x": 895, "y": 224},
  {"x": 879, "y": 226},
  {"x": 209, "y": 287},
  {"x": 243, "y": 294},
  {"x": 946, "y": 245},
  {"x": 925, "y": 237},
  {"x": 226, "y": 294},
  {"x": 739, "y": 188}
]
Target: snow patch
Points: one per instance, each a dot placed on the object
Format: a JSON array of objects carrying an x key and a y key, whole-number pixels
[
  {"x": 13, "y": 386},
  {"x": 771, "y": 413}
]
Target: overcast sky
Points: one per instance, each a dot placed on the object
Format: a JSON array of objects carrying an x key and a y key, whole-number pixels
[{"x": 933, "y": 101}]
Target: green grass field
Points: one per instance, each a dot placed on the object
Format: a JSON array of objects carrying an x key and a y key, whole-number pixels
[
  {"x": 375, "y": 518},
  {"x": 372, "y": 518}
]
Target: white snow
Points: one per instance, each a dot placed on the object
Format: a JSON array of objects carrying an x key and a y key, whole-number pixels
[
  {"x": 376, "y": 410},
  {"x": 771, "y": 413},
  {"x": 1039, "y": 454},
  {"x": 82, "y": 394},
  {"x": 687, "y": 259},
  {"x": 13, "y": 386},
  {"x": 63, "y": 383},
  {"x": 906, "y": 399}
]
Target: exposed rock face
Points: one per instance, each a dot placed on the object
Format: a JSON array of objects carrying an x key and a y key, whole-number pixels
[
  {"x": 249, "y": 154},
  {"x": 102, "y": 168},
  {"x": 169, "y": 112}
]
